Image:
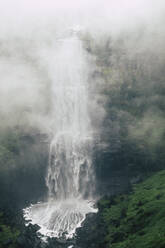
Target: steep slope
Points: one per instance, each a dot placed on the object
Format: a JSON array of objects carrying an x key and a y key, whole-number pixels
[{"x": 131, "y": 220}]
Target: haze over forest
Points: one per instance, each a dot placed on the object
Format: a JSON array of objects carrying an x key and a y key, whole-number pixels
[{"x": 82, "y": 114}]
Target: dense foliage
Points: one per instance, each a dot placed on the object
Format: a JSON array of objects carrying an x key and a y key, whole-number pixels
[
  {"x": 130, "y": 220},
  {"x": 8, "y": 235}
]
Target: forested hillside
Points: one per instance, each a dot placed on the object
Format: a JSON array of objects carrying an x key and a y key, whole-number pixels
[
  {"x": 128, "y": 78},
  {"x": 129, "y": 220}
]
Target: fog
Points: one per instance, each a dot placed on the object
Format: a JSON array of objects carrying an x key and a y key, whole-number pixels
[
  {"x": 28, "y": 31},
  {"x": 104, "y": 13}
]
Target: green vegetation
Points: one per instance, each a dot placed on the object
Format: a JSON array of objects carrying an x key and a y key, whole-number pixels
[
  {"x": 8, "y": 235},
  {"x": 132, "y": 220},
  {"x": 139, "y": 219}
]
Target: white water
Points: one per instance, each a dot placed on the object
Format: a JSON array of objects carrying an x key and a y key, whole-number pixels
[{"x": 70, "y": 178}]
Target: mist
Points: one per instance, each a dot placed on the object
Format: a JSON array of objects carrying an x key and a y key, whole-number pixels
[{"x": 28, "y": 33}]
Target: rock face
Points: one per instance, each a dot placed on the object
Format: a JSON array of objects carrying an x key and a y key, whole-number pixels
[{"x": 25, "y": 158}]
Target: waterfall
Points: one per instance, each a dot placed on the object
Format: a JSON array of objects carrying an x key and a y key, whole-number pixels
[
  {"x": 69, "y": 177},
  {"x": 70, "y": 150}
]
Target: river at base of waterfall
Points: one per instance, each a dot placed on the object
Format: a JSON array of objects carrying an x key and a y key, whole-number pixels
[{"x": 57, "y": 218}]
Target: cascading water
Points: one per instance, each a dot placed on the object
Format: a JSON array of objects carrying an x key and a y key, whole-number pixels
[
  {"x": 69, "y": 178},
  {"x": 71, "y": 145}
]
